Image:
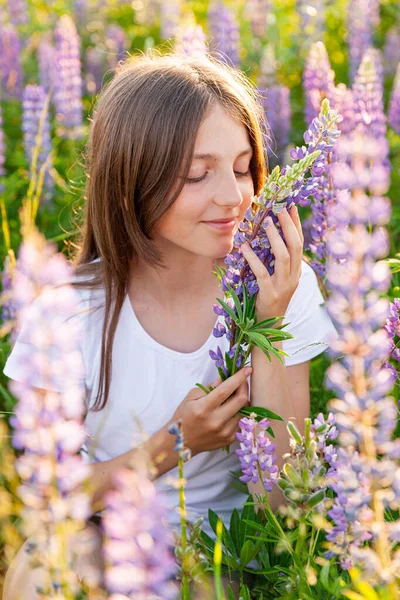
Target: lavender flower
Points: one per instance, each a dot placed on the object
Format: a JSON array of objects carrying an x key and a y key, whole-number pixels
[
  {"x": 94, "y": 62},
  {"x": 170, "y": 14},
  {"x": 10, "y": 65},
  {"x": 48, "y": 425},
  {"x": 2, "y": 152},
  {"x": 224, "y": 33},
  {"x": 318, "y": 80},
  {"x": 343, "y": 102},
  {"x": 394, "y": 104},
  {"x": 36, "y": 128},
  {"x": 192, "y": 41},
  {"x": 8, "y": 309},
  {"x": 258, "y": 12},
  {"x": 360, "y": 23},
  {"x": 18, "y": 12},
  {"x": 276, "y": 102},
  {"x": 256, "y": 453},
  {"x": 68, "y": 85},
  {"x": 391, "y": 51},
  {"x": 47, "y": 66},
  {"x": 367, "y": 476},
  {"x": 137, "y": 545},
  {"x": 392, "y": 328},
  {"x": 116, "y": 44},
  {"x": 312, "y": 18}
]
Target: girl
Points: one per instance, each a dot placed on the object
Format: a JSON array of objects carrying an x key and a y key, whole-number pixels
[{"x": 175, "y": 156}]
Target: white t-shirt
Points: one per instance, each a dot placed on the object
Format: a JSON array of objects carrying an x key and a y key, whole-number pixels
[{"x": 149, "y": 381}]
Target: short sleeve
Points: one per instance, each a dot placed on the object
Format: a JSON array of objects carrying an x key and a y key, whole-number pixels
[
  {"x": 308, "y": 321},
  {"x": 45, "y": 355}
]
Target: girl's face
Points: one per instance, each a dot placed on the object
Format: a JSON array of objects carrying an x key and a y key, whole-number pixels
[{"x": 219, "y": 188}]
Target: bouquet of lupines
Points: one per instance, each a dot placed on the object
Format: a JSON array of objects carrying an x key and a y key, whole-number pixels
[{"x": 282, "y": 189}]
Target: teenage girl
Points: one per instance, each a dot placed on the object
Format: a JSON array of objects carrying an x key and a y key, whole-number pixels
[{"x": 174, "y": 157}]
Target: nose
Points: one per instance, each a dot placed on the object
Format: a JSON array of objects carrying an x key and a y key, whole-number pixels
[{"x": 229, "y": 191}]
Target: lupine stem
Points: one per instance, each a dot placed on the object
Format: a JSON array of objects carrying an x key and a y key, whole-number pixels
[{"x": 182, "y": 506}]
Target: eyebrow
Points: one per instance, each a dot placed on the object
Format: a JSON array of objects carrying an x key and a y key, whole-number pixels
[{"x": 217, "y": 156}]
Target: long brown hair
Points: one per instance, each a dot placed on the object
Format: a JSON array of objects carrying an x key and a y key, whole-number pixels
[{"x": 143, "y": 131}]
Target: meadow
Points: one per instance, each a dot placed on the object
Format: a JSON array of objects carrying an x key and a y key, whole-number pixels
[{"x": 329, "y": 74}]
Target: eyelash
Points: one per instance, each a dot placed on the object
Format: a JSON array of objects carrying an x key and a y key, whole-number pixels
[{"x": 206, "y": 173}]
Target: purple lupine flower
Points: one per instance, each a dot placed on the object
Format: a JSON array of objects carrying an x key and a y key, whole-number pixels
[
  {"x": 116, "y": 43},
  {"x": 360, "y": 23},
  {"x": 47, "y": 66},
  {"x": 281, "y": 189},
  {"x": 391, "y": 50},
  {"x": 343, "y": 102},
  {"x": 10, "y": 62},
  {"x": 170, "y": 14},
  {"x": 392, "y": 328},
  {"x": 257, "y": 12},
  {"x": 8, "y": 309},
  {"x": 394, "y": 104},
  {"x": 256, "y": 453},
  {"x": 369, "y": 117},
  {"x": 312, "y": 18},
  {"x": 48, "y": 426},
  {"x": 68, "y": 86},
  {"x": 224, "y": 33},
  {"x": 2, "y": 152},
  {"x": 367, "y": 474},
  {"x": 192, "y": 41},
  {"x": 17, "y": 12},
  {"x": 137, "y": 542},
  {"x": 35, "y": 118},
  {"x": 95, "y": 68},
  {"x": 318, "y": 80}
]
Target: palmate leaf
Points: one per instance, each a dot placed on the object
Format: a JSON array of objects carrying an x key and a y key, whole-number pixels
[
  {"x": 262, "y": 342},
  {"x": 228, "y": 309},
  {"x": 260, "y": 412}
]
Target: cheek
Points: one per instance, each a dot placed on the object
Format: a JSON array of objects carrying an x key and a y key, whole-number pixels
[{"x": 184, "y": 211}]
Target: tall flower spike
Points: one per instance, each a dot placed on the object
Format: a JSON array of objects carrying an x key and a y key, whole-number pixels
[
  {"x": 224, "y": 33},
  {"x": 276, "y": 102},
  {"x": 368, "y": 475},
  {"x": 2, "y": 153},
  {"x": 95, "y": 68},
  {"x": 48, "y": 426},
  {"x": 391, "y": 50},
  {"x": 360, "y": 23},
  {"x": 137, "y": 542},
  {"x": 35, "y": 119},
  {"x": 192, "y": 41},
  {"x": 116, "y": 43},
  {"x": 258, "y": 12},
  {"x": 10, "y": 62},
  {"x": 68, "y": 84},
  {"x": 256, "y": 453},
  {"x": 394, "y": 104},
  {"x": 47, "y": 66},
  {"x": 318, "y": 80},
  {"x": 312, "y": 18},
  {"x": 170, "y": 14},
  {"x": 18, "y": 12}
]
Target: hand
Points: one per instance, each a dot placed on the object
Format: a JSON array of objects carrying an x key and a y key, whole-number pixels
[
  {"x": 276, "y": 291},
  {"x": 210, "y": 421}
]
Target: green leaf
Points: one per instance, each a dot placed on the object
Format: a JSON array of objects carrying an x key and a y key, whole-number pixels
[
  {"x": 244, "y": 593},
  {"x": 228, "y": 309},
  {"x": 261, "y": 412},
  {"x": 237, "y": 302},
  {"x": 204, "y": 389},
  {"x": 234, "y": 528},
  {"x": 226, "y": 536},
  {"x": 231, "y": 595}
]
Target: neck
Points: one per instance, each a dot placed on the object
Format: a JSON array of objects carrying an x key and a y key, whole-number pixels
[{"x": 187, "y": 276}]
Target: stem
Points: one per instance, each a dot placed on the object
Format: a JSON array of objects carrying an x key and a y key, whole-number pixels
[
  {"x": 237, "y": 352},
  {"x": 185, "y": 577}
]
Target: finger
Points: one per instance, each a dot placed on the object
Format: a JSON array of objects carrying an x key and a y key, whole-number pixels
[
  {"x": 294, "y": 213},
  {"x": 226, "y": 388},
  {"x": 231, "y": 407},
  {"x": 294, "y": 242},
  {"x": 259, "y": 269}
]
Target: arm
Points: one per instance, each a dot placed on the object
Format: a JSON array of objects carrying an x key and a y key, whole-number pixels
[{"x": 285, "y": 391}]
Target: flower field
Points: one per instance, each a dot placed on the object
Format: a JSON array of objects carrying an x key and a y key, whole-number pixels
[{"x": 327, "y": 75}]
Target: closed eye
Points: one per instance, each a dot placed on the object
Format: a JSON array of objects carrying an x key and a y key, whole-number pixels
[{"x": 198, "y": 179}]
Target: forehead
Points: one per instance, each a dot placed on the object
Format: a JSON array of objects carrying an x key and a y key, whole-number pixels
[{"x": 220, "y": 135}]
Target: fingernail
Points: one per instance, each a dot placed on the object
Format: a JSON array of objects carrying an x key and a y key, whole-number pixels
[
  {"x": 248, "y": 370},
  {"x": 245, "y": 246}
]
